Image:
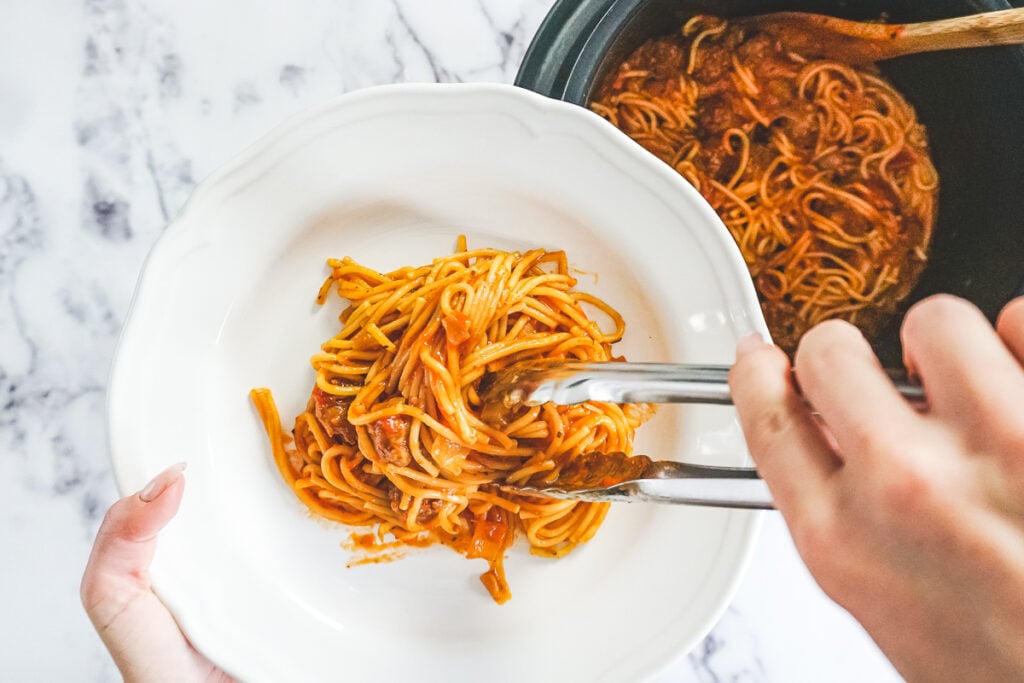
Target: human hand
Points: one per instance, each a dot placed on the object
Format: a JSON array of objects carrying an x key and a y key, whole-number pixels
[
  {"x": 911, "y": 520},
  {"x": 137, "y": 629}
]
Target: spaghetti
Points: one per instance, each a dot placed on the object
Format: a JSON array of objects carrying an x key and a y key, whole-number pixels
[
  {"x": 819, "y": 170},
  {"x": 393, "y": 434}
]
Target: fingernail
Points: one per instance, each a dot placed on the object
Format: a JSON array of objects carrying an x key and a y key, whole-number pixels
[
  {"x": 160, "y": 482},
  {"x": 749, "y": 344}
]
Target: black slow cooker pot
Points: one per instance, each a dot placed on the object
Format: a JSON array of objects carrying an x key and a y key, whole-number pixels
[{"x": 971, "y": 101}]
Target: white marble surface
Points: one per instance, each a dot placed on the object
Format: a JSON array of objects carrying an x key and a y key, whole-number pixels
[{"x": 110, "y": 112}]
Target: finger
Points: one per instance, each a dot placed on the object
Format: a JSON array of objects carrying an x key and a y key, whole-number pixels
[
  {"x": 788, "y": 446},
  {"x": 127, "y": 537},
  {"x": 840, "y": 376},
  {"x": 136, "y": 627},
  {"x": 1010, "y": 327},
  {"x": 969, "y": 375},
  {"x": 117, "y": 570}
]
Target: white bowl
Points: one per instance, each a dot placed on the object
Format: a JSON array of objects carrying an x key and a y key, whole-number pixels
[{"x": 390, "y": 176}]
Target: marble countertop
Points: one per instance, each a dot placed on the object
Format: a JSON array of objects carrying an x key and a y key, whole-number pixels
[{"x": 112, "y": 111}]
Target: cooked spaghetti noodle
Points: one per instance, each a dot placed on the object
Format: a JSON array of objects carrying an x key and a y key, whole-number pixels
[
  {"x": 393, "y": 435},
  {"x": 819, "y": 170}
]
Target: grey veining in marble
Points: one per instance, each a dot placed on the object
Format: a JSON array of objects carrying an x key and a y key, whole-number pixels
[{"x": 110, "y": 112}]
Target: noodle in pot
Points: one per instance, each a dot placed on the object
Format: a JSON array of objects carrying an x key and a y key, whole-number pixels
[
  {"x": 819, "y": 170},
  {"x": 393, "y": 434}
]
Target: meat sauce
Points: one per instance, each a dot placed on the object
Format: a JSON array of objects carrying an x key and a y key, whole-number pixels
[
  {"x": 489, "y": 538},
  {"x": 722, "y": 103}
]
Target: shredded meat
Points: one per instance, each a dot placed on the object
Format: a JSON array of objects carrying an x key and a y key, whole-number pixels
[
  {"x": 390, "y": 436},
  {"x": 591, "y": 470},
  {"x": 428, "y": 508},
  {"x": 367, "y": 478},
  {"x": 332, "y": 413}
]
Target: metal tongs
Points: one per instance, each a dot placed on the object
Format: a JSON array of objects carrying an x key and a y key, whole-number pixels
[{"x": 616, "y": 477}]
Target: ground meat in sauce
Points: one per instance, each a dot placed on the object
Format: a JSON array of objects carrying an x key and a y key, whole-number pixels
[
  {"x": 390, "y": 436},
  {"x": 759, "y": 50},
  {"x": 841, "y": 165},
  {"x": 717, "y": 115},
  {"x": 762, "y": 97},
  {"x": 662, "y": 59},
  {"x": 714, "y": 64}
]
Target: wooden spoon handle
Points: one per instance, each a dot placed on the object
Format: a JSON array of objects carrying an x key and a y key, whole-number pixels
[
  {"x": 1005, "y": 27},
  {"x": 856, "y": 42}
]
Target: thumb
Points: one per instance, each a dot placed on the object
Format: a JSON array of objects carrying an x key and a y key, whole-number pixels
[
  {"x": 137, "y": 629},
  {"x": 118, "y": 568}
]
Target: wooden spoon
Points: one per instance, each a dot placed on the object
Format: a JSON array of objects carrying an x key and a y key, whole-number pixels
[{"x": 858, "y": 42}]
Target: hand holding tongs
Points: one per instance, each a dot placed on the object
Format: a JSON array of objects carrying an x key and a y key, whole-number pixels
[{"x": 616, "y": 477}]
